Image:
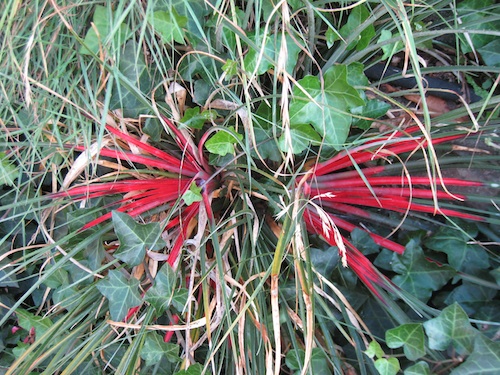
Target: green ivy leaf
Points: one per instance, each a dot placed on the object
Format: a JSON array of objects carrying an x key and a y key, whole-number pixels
[
  {"x": 389, "y": 49},
  {"x": 353, "y": 26},
  {"x": 195, "y": 120},
  {"x": 57, "y": 278},
  {"x": 387, "y": 366},
  {"x": 332, "y": 35},
  {"x": 102, "y": 21},
  {"x": 263, "y": 132},
  {"x": 471, "y": 296},
  {"x": 230, "y": 68},
  {"x": 356, "y": 77},
  {"x": 472, "y": 13},
  {"x": 195, "y": 369},
  {"x": 451, "y": 327},
  {"x": 169, "y": 25},
  {"x": 417, "y": 275},
  {"x": 8, "y": 171},
  {"x": 222, "y": 143},
  {"x": 28, "y": 321},
  {"x": 491, "y": 53},
  {"x": 153, "y": 128},
  {"x": 419, "y": 368},
  {"x": 268, "y": 59},
  {"x": 121, "y": 293},
  {"x": 20, "y": 349},
  {"x": 496, "y": 274},
  {"x": 325, "y": 108},
  {"x": 324, "y": 260},
  {"x": 155, "y": 349},
  {"x": 373, "y": 109},
  {"x": 410, "y": 336},
  {"x": 193, "y": 194},
  {"x": 363, "y": 242},
  {"x": 135, "y": 238},
  {"x": 133, "y": 83},
  {"x": 180, "y": 298},
  {"x": 67, "y": 297},
  {"x": 6, "y": 267},
  {"x": 94, "y": 252},
  {"x": 462, "y": 255},
  {"x": 318, "y": 364},
  {"x": 484, "y": 360},
  {"x": 161, "y": 293},
  {"x": 195, "y": 12},
  {"x": 301, "y": 136},
  {"x": 374, "y": 350}
]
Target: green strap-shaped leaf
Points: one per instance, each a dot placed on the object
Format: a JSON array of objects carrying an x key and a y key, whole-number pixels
[{"x": 121, "y": 293}]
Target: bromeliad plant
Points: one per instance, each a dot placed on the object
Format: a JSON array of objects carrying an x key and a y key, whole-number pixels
[
  {"x": 344, "y": 186},
  {"x": 187, "y": 182}
]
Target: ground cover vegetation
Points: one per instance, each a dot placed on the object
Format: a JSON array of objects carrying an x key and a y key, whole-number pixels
[{"x": 249, "y": 187}]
